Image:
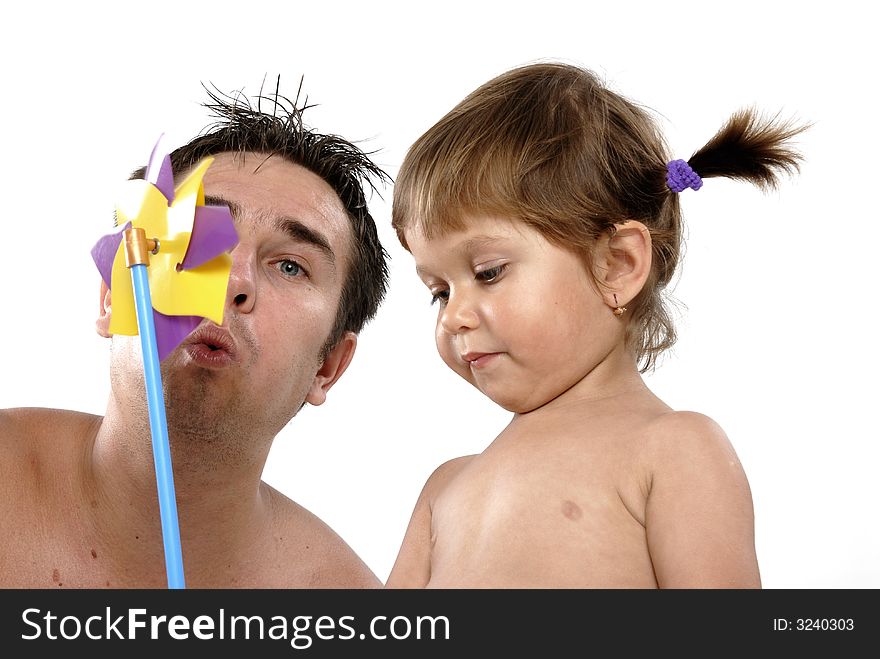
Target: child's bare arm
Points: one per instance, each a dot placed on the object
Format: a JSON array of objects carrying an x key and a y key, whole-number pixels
[
  {"x": 699, "y": 517},
  {"x": 412, "y": 569}
]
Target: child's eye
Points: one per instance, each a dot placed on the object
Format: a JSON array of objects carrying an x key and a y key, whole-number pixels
[
  {"x": 290, "y": 268},
  {"x": 491, "y": 274},
  {"x": 439, "y": 296}
]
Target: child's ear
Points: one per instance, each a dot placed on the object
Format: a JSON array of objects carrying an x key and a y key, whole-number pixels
[
  {"x": 331, "y": 370},
  {"x": 626, "y": 262},
  {"x": 102, "y": 325}
]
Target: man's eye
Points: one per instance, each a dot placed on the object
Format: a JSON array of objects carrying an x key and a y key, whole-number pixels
[{"x": 289, "y": 267}]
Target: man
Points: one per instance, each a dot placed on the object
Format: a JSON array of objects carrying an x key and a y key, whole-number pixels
[{"x": 308, "y": 272}]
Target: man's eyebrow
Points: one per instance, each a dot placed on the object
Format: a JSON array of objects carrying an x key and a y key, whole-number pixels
[
  {"x": 304, "y": 234},
  {"x": 295, "y": 229},
  {"x": 234, "y": 208}
]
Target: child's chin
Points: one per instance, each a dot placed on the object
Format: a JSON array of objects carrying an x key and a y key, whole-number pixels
[{"x": 514, "y": 405}]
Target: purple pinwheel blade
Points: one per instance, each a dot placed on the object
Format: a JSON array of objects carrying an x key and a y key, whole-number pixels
[
  {"x": 104, "y": 252},
  {"x": 171, "y": 330},
  {"x": 213, "y": 233},
  {"x": 159, "y": 171}
]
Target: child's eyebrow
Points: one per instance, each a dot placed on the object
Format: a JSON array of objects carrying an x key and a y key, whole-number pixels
[
  {"x": 470, "y": 246},
  {"x": 480, "y": 242}
]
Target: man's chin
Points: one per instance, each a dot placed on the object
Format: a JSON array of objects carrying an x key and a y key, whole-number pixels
[{"x": 197, "y": 404}]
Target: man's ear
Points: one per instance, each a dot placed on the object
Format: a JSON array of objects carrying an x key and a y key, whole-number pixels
[
  {"x": 102, "y": 325},
  {"x": 625, "y": 261},
  {"x": 331, "y": 370}
]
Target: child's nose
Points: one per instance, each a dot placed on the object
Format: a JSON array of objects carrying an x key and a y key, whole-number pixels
[{"x": 459, "y": 314}]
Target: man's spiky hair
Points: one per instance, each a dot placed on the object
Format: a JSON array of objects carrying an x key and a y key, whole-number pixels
[{"x": 242, "y": 126}]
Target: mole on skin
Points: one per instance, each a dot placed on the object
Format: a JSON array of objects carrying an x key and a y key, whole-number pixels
[{"x": 571, "y": 510}]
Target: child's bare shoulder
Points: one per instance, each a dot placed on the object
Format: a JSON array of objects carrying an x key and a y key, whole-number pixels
[
  {"x": 699, "y": 517},
  {"x": 443, "y": 475},
  {"x": 689, "y": 438}
]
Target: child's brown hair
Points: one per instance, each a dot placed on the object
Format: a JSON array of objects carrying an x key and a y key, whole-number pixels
[{"x": 548, "y": 144}]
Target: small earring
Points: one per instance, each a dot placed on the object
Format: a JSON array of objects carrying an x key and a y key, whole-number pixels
[{"x": 618, "y": 310}]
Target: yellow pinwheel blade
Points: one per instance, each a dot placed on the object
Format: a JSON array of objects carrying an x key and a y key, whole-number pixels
[
  {"x": 197, "y": 292},
  {"x": 189, "y": 194},
  {"x": 140, "y": 203}
]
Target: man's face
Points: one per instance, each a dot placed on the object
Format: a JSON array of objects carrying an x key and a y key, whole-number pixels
[{"x": 253, "y": 373}]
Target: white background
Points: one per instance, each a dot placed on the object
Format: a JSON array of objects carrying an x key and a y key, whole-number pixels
[{"x": 779, "y": 315}]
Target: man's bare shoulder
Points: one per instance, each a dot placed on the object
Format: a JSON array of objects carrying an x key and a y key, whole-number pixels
[
  {"x": 37, "y": 423},
  {"x": 37, "y": 446},
  {"x": 319, "y": 557},
  {"x": 26, "y": 430}
]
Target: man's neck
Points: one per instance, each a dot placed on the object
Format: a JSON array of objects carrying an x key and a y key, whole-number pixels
[{"x": 221, "y": 503}]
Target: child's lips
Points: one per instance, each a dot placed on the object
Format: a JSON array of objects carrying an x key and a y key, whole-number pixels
[{"x": 478, "y": 360}]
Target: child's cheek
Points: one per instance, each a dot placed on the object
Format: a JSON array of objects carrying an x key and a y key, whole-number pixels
[
  {"x": 446, "y": 349},
  {"x": 449, "y": 355}
]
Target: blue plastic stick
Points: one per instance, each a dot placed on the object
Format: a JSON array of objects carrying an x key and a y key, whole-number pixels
[{"x": 158, "y": 427}]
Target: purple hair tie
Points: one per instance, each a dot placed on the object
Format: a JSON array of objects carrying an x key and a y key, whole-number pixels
[{"x": 680, "y": 177}]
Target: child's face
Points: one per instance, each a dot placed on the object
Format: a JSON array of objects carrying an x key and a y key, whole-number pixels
[{"x": 518, "y": 317}]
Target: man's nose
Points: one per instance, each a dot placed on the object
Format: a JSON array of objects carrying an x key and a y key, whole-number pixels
[
  {"x": 241, "y": 293},
  {"x": 459, "y": 313}
]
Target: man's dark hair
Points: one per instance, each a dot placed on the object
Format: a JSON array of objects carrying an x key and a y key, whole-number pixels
[{"x": 241, "y": 127}]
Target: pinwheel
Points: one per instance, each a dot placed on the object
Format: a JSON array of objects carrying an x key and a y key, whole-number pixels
[{"x": 185, "y": 244}]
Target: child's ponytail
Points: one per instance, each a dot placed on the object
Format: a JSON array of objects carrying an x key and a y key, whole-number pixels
[{"x": 748, "y": 147}]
